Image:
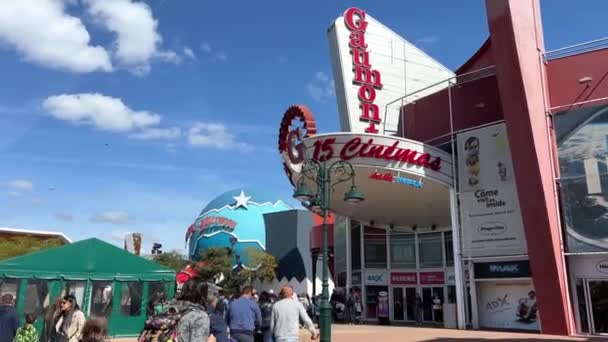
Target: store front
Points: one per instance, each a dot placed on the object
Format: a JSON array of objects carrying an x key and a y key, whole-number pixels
[
  {"x": 589, "y": 285},
  {"x": 506, "y": 298}
]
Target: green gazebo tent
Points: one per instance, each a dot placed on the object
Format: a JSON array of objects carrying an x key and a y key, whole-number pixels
[{"x": 106, "y": 280}]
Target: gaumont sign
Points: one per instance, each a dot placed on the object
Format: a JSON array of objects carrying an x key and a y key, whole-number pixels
[
  {"x": 367, "y": 78},
  {"x": 372, "y": 67}
]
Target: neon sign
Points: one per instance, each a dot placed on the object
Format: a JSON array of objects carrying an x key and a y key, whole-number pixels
[
  {"x": 388, "y": 177},
  {"x": 213, "y": 224},
  {"x": 367, "y": 78},
  {"x": 356, "y": 148}
]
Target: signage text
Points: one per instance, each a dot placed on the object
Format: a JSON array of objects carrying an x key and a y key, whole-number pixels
[
  {"x": 216, "y": 223},
  {"x": 356, "y": 148},
  {"x": 367, "y": 78},
  {"x": 388, "y": 177}
]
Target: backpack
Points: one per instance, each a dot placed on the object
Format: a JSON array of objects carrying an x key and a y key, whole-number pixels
[{"x": 162, "y": 327}]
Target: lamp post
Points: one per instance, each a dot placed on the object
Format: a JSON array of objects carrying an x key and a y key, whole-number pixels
[{"x": 325, "y": 178}]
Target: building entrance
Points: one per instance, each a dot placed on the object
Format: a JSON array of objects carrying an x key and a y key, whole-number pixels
[
  {"x": 432, "y": 304},
  {"x": 404, "y": 303},
  {"x": 593, "y": 305}
]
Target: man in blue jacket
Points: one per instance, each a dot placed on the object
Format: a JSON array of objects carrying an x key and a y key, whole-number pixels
[
  {"x": 244, "y": 317},
  {"x": 9, "y": 320}
]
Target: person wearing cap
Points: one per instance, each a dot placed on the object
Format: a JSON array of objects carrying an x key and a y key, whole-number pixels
[
  {"x": 9, "y": 320},
  {"x": 286, "y": 316}
]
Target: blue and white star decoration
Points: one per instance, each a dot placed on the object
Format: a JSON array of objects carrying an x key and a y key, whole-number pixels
[{"x": 241, "y": 200}]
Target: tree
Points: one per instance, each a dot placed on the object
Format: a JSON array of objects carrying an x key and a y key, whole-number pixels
[
  {"x": 173, "y": 260},
  {"x": 217, "y": 264},
  {"x": 267, "y": 264},
  {"x": 20, "y": 245}
]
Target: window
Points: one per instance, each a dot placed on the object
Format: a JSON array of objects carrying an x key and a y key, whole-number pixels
[
  {"x": 355, "y": 243},
  {"x": 374, "y": 241},
  {"x": 101, "y": 305},
  {"x": 130, "y": 298},
  {"x": 449, "y": 249},
  {"x": 340, "y": 236},
  {"x": 403, "y": 250},
  {"x": 75, "y": 288},
  {"x": 431, "y": 250},
  {"x": 37, "y": 298},
  {"x": 157, "y": 294},
  {"x": 9, "y": 286}
]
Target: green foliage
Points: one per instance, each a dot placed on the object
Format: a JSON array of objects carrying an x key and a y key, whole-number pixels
[
  {"x": 267, "y": 262},
  {"x": 174, "y": 260},
  {"x": 20, "y": 245},
  {"x": 217, "y": 264}
]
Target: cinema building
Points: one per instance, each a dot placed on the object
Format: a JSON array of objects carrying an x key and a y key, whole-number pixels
[{"x": 486, "y": 188}]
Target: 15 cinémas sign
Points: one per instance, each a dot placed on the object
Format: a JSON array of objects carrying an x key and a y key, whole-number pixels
[{"x": 383, "y": 153}]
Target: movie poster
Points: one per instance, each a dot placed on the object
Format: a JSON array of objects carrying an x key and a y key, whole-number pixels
[
  {"x": 491, "y": 217},
  {"x": 507, "y": 305}
]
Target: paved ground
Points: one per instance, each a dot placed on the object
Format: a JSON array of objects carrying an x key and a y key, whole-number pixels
[{"x": 371, "y": 333}]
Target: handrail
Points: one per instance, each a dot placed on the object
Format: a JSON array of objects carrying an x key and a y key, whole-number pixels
[{"x": 577, "y": 49}]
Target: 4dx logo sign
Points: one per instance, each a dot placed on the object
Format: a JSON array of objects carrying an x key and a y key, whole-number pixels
[
  {"x": 498, "y": 304},
  {"x": 375, "y": 278}
]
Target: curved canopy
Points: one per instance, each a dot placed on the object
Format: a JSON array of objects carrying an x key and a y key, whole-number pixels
[{"x": 91, "y": 259}]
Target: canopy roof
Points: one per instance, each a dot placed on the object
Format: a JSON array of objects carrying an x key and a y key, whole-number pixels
[{"x": 91, "y": 259}]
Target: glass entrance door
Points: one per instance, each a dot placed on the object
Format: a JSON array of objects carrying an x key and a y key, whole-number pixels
[
  {"x": 598, "y": 297},
  {"x": 398, "y": 304},
  {"x": 432, "y": 304},
  {"x": 410, "y": 303}
]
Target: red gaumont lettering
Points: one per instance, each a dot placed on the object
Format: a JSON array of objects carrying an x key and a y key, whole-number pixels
[
  {"x": 367, "y": 78},
  {"x": 357, "y": 148}
]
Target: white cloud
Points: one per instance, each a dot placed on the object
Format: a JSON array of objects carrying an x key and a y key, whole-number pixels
[
  {"x": 20, "y": 185},
  {"x": 321, "y": 76},
  {"x": 138, "y": 40},
  {"x": 321, "y": 89},
  {"x": 112, "y": 217},
  {"x": 189, "y": 53},
  {"x": 44, "y": 34},
  {"x": 214, "y": 135},
  {"x": 64, "y": 217},
  {"x": 222, "y": 56},
  {"x": 104, "y": 112},
  {"x": 13, "y": 193},
  {"x": 157, "y": 133},
  {"x": 119, "y": 235},
  {"x": 206, "y": 47}
]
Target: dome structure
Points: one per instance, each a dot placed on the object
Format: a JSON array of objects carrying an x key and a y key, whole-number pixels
[{"x": 235, "y": 220}]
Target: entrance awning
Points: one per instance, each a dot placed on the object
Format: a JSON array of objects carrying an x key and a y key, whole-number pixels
[{"x": 406, "y": 183}]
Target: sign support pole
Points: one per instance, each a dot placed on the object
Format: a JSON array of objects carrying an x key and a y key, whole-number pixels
[{"x": 458, "y": 273}]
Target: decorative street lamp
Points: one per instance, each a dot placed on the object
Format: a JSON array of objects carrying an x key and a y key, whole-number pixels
[{"x": 326, "y": 178}]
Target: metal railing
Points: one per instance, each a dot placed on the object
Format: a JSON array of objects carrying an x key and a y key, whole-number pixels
[{"x": 577, "y": 49}]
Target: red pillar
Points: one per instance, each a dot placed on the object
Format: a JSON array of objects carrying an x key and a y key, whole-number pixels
[{"x": 517, "y": 48}]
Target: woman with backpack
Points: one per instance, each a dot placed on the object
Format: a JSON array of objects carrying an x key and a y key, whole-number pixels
[
  {"x": 193, "y": 325},
  {"x": 71, "y": 321}
]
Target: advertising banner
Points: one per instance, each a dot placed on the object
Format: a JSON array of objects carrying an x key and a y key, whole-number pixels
[
  {"x": 404, "y": 278},
  {"x": 432, "y": 278},
  {"x": 510, "y": 305},
  {"x": 491, "y": 217}
]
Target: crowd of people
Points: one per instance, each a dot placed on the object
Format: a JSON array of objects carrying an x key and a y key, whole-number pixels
[{"x": 64, "y": 322}]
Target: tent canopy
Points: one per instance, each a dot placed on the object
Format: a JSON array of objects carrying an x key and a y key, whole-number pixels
[{"x": 91, "y": 259}]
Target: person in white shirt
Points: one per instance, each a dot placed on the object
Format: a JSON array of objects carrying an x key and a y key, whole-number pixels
[{"x": 285, "y": 318}]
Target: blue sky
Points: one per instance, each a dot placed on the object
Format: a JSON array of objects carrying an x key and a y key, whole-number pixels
[{"x": 122, "y": 116}]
